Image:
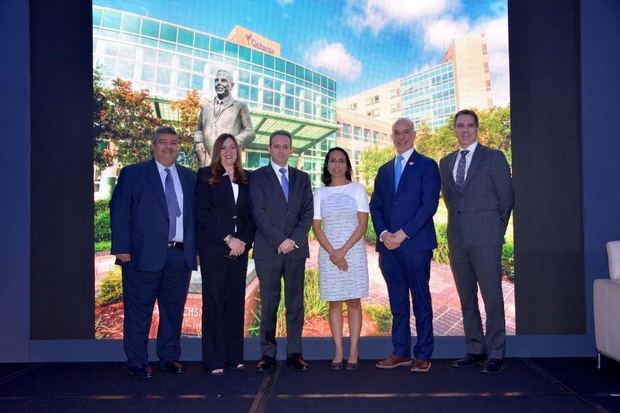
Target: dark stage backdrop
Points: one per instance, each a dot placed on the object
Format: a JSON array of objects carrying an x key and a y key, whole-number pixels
[{"x": 575, "y": 173}]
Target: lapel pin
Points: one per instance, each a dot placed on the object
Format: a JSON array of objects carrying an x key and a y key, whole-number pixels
[{"x": 410, "y": 163}]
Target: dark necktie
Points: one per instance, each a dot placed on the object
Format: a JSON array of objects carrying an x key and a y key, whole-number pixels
[
  {"x": 284, "y": 183},
  {"x": 460, "y": 170},
  {"x": 173, "y": 206}
]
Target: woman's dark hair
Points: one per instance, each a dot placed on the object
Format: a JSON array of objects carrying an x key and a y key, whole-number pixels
[
  {"x": 217, "y": 170},
  {"x": 326, "y": 177}
]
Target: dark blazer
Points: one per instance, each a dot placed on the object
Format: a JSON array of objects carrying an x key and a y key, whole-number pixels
[
  {"x": 479, "y": 214},
  {"x": 411, "y": 207},
  {"x": 275, "y": 218},
  {"x": 217, "y": 213},
  {"x": 139, "y": 217}
]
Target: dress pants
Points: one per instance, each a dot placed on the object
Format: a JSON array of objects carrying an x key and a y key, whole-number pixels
[
  {"x": 270, "y": 273},
  {"x": 474, "y": 266},
  {"x": 223, "y": 304},
  {"x": 169, "y": 287},
  {"x": 408, "y": 272}
]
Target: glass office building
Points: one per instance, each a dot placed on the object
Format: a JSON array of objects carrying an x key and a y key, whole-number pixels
[
  {"x": 428, "y": 96},
  {"x": 169, "y": 60}
]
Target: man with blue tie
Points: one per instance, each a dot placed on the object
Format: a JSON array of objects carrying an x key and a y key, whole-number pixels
[
  {"x": 281, "y": 198},
  {"x": 402, "y": 206},
  {"x": 153, "y": 238}
]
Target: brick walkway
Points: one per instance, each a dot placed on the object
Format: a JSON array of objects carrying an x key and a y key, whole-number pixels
[{"x": 447, "y": 318}]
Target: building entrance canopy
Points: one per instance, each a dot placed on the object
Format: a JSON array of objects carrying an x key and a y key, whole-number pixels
[{"x": 306, "y": 133}]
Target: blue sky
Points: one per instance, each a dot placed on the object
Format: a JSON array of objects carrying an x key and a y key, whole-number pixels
[{"x": 360, "y": 43}]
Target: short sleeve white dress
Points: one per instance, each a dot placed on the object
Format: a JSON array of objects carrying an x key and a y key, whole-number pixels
[{"x": 337, "y": 207}]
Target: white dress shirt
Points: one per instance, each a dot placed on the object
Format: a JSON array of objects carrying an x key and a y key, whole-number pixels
[
  {"x": 276, "y": 169},
  {"x": 179, "y": 191}
]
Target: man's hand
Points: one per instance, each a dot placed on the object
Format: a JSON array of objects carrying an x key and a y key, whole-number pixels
[
  {"x": 124, "y": 258},
  {"x": 388, "y": 240},
  {"x": 237, "y": 247},
  {"x": 288, "y": 245},
  {"x": 399, "y": 236}
]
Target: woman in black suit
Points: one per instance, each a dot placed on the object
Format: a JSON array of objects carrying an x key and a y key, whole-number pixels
[{"x": 225, "y": 235}]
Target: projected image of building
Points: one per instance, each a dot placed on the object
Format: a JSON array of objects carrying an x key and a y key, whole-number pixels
[
  {"x": 169, "y": 60},
  {"x": 461, "y": 80}
]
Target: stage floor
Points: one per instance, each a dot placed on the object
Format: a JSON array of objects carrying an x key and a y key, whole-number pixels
[{"x": 527, "y": 385}]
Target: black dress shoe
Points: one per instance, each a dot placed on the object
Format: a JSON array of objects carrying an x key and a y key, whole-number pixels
[
  {"x": 141, "y": 372},
  {"x": 265, "y": 363},
  {"x": 492, "y": 366},
  {"x": 172, "y": 366},
  {"x": 297, "y": 360},
  {"x": 469, "y": 360}
]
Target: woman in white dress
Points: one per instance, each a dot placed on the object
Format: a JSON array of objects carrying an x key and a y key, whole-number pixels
[{"x": 340, "y": 220}]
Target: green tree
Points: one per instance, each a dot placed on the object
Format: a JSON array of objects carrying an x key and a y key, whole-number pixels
[
  {"x": 495, "y": 130},
  {"x": 127, "y": 121},
  {"x": 370, "y": 161},
  {"x": 102, "y": 155},
  {"x": 188, "y": 110},
  {"x": 435, "y": 144}
]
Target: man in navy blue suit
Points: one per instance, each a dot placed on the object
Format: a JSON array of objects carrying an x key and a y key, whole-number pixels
[
  {"x": 154, "y": 240},
  {"x": 402, "y": 206}
]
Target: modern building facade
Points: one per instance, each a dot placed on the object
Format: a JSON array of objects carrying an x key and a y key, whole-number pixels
[
  {"x": 461, "y": 80},
  {"x": 169, "y": 60},
  {"x": 358, "y": 133}
]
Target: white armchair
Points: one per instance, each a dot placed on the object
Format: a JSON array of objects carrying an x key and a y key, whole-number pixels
[{"x": 607, "y": 307}]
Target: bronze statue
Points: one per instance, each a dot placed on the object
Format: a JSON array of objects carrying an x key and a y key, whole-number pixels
[{"x": 221, "y": 115}]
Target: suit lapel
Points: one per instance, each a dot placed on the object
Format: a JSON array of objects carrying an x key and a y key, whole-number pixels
[
  {"x": 407, "y": 169},
  {"x": 475, "y": 165},
  {"x": 185, "y": 185},
  {"x": 390, "y": 176},
  {"x": 155, "y": 180},
  {"x": 451, "y": 161},
  {"x": 276, "y": 182}
]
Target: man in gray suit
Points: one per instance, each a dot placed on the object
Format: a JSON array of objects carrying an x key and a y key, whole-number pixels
[
  {"x": 282, "y": 208},
  {"x": 222, "y": 115},
  {"x": 477, "y": 189}
]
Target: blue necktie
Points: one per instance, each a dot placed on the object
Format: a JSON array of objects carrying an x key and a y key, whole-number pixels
[
  {"x": 173, "y": 206},
  {"x": 398, "y": 171},
  {"x": 284, "y": 183}
]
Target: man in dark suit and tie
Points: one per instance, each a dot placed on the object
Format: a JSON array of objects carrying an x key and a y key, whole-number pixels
[
  {"x": 153, "y": 238},
  {"x": 477, "y": 190},
  {"x": 281, "y": 198},
  {"x": 402, "y": 206}
]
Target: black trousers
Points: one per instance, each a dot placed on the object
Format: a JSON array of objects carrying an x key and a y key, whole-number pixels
[{"x": 223, "y": 305}]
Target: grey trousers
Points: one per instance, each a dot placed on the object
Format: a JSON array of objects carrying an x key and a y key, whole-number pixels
[
  {"x": 473, "y": 267},
  {"x": 270, "y": 273}
]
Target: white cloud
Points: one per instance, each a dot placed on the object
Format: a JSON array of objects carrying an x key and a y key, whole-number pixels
[
  {"x": 438, "y": 34},
  {"x": 284, "y": 2},
  {"x": 335, "y": 59},
  {"x": 379, "y": 14}
]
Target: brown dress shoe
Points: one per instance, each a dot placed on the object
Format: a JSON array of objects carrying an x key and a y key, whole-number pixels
[
  {"x": 393, "y": 361},
  {"x": 421, "y": 366}
]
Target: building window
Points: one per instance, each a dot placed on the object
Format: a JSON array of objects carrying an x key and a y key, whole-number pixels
[
  {"x": 394, "y": 93},
  {"x": 394, "y": 107},
  {"x": 372, "y": 100},
  {"x": 352, "y": 106},
  {"x": 346, "y": 130}
]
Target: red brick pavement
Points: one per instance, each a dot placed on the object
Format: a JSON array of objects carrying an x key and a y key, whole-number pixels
[{"x": 447, "y": 318}]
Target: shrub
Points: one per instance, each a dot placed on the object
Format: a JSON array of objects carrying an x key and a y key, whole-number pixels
[
  {"x": 102, "y": 205},
  {"x": 103, "y": 246},
  {"x": 370, "y": 234},
  {"x": 441, "y": 253},
  {"x": 508, "y": 260},
  {"x": 111, "y": 288},
  {"x": 381, "y": 315},
  {"x": 313, "y": 305},
  {"x": 102, "y": 227}
]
